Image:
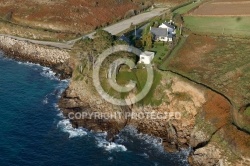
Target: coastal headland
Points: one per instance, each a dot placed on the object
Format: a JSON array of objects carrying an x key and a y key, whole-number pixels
[{"x": 196, "y": 115}]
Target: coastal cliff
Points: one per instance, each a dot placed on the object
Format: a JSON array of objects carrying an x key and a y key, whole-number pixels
[
  {"x": 55, "y": 58},
  {"x": 198, "y": 117}
]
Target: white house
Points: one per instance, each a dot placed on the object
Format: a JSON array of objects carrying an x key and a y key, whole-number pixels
[
  {"x": 161, "y": 34},
  {"x": 146, "y": 57},
  {"x": 164, "y": 33},
  {"x": 169, "y": 26}
]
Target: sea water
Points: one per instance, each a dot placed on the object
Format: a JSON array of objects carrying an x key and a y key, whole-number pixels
[{"x": 33, "y": 131}]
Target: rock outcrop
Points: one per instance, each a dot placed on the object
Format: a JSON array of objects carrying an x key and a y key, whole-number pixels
[
  {"x": 57, "y": 59},
  {"x": 197, "y": 118}
]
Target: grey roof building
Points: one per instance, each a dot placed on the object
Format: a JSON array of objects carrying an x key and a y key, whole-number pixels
[
  {"x": 159, "y": 32},
  {"x": 169, "y": 25}
]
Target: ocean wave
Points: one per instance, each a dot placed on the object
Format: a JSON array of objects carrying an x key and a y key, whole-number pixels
[
  {"x": 145, "y": 155},
  {"x": 61, "y": 88},
  {"x": 130, "y": 136},
  {"x": 48, "y": 73},
  {"x": 67, "y": 127},
  {"x": 108, "y": 146},
  {"x": 45, "y": 71},
  {"x": 45, "y": 100},
  {"x": 56, "y": 94},
  {"x": 111, "y": 146},
  {"x": 28, "y": 64},
  {"x": 183, "y": 155}
]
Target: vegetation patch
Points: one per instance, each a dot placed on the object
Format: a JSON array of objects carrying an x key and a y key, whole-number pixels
[
  {"x": 228, "y": 26},
  {"x": 161, "y": 49},
  {"x": 221, "y": 63},
  {"x": 184, "y": 8},
  {"x": 223, "y": 8},
  {"x": 247, "y": 111}
]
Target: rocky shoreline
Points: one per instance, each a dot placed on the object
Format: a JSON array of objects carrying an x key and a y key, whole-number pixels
[
  {"x": 194, "y": 102},
  {"x": 58, "y": 60},
  {"x": 206, "y": 119},
  {"x": 206, "y": 123}
]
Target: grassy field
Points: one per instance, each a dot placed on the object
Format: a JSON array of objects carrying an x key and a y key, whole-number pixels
[
  {"x": 161, "y": 50},
  {"x": 237, "y": 26},
  {"x": 186, "y": 8},
  {"x": 139, "y": 76},
  {"x": 164, "y": 64},
  {"x": 221, "y": 63}
]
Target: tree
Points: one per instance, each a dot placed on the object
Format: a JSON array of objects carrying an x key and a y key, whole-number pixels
[{"x": 147, "y": 40}]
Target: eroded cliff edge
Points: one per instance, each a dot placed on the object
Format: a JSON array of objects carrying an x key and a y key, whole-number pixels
[
  {"x": 205, "y": 123},
  {"x": 206, "y": 117}
]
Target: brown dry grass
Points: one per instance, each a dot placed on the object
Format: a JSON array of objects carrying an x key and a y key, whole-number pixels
[
  {"x": 74, "y": 16},
  {"x": 77, "y": 16},
  {"x": 221, "y": 63},
  {"x": 223, "y": 8},
  {"x": 217, "y": 109}
]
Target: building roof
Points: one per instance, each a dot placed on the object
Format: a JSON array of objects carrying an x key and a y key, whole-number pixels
[
  {"x": 148, "y": 53},
  {"x": 170, "y": 35},
  {"x": 169, "y": 25},
  {"x": 159, "y": 32}
]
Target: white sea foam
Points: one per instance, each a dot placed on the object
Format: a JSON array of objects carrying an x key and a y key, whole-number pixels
[
  {"x": 61, "y": 87},
  {"x": 48, "y": 73},
  {"x": 110, "y": 146},
  {"x": 28, "y": 63},
  {"x": 145, "y": 155},
  {"x": 153, "y": 145},
  {"x": 183, "y": 155},
  {"x": 110, "y": 158},
  {"x": 131, "y": 134},
  {"x": 60, "y": 114},
  {"x": 45, "y": 100},
  {"x": 67, "y": 127}
]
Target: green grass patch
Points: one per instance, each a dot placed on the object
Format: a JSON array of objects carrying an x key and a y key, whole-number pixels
[
  {"x": 152, "y": 97},
  {"x": 171, "y": 55},
  {"x": 161, "y": 50},
  {"x": 238, "y": 26},
  {"x": 247, "y": 111},
  {"x": 186, "y": 8},
  {"x": 139, "y": 76}
]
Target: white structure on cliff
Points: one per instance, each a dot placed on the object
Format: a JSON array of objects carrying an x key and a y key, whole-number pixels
[{"x": 146, "y": 57}]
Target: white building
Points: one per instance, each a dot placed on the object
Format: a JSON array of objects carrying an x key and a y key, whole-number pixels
[
  {"x": 165, "y": 32},
  {"x": 146, "y": 57},
  {"x": 168, "y": 26}
]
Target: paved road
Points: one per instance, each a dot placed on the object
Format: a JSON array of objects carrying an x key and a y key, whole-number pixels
[
  {"x": 46, "y": 43},
  {"x": 113, "y": 29},
  {"x": 125, "y": 24}
]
